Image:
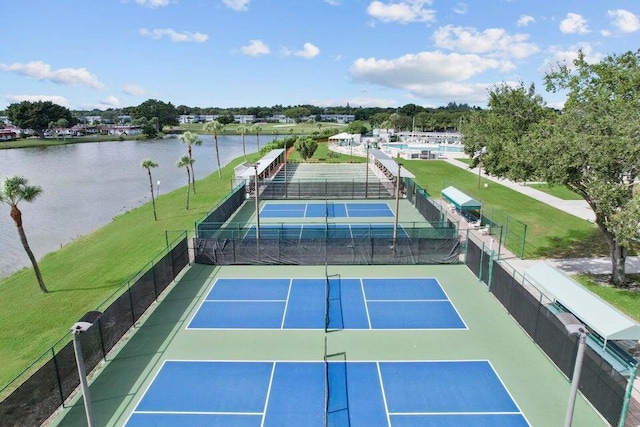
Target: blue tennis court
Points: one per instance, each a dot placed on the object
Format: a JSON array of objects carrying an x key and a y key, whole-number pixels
[
  {"x": 334, "y": 393},
  {"x": 339, "y": 303},
  {"x": 323, "y": 231},
  {"x": 321, "y": 210}
]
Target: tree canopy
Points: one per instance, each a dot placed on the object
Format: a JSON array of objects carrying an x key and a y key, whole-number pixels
[
  {"x": 297, "y": 113},
  {"x": 593, "y": 147},
  {"x": 166, "y": 113},
  {"x": 37, "y": 115},
  {"x": 306, "y": 146}
]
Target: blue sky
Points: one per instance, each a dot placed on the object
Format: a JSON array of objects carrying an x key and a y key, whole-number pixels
[{"x": 232, "y": 53}]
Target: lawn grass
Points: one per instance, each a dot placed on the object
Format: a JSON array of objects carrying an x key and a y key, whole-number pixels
[
  {"x": 84, "y": 273},
  {"x": 49, "y": 142},
  {"x": 625, "y": 299},
  {"x": 559, "y": 191},
  {"x": 550, "y": 232},
  {"x": 87, "y": 271}
]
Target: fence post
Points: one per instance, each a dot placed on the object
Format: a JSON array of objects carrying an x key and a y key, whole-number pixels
[
  {"x": 524, "y": 239},
  {"x": 627, "y": 396},
  {"x": 490, "y": 270},
  {"x": 480, "y": 265},
  {"x": 55, "y": 366}
]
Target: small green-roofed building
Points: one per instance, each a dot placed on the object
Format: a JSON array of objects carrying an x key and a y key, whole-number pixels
[{"x": 465, "y": 204}]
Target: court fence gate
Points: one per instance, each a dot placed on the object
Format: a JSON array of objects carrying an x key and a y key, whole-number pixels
[
  {"x": 608, "y": 390},
  {"x": 36, "y": 393}
]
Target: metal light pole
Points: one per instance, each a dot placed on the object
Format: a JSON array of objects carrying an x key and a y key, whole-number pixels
[
  {"x": 366, "y": 179},
  {"x": 158, "y": 190},
  {"x": 255, "y": 167},
  {"x": 574, "y": 327},
  {"x": 82, "y": 325},
  {"x": 395, "y": 221},
  {"x": 285, "y": 168}
]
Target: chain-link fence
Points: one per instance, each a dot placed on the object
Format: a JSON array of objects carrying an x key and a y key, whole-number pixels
[
  {"x": 603, "y": 385},
  {"x": 35, "y": 394}
]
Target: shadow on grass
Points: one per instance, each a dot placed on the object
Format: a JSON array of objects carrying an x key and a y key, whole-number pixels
[
  {"x": 115, "y": 386},
  {"x": 572, "y": 244}
]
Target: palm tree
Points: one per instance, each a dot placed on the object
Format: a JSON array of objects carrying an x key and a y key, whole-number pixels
[
  {"x": 190, "y": 139},
  {"x": 257, "y": 129},
  {"x": 215, "y": 127},
  {"x": 15, "y": 189},
  {"x": 187, "y": 163},
  {"x": 148, "y": 164},
  {"x": 243, "y": 130}
]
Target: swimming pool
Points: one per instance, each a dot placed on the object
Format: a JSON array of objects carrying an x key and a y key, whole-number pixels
[{"x": 440, "y": 148}]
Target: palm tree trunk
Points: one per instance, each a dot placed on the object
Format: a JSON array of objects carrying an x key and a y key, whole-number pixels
[
  {"x": 244, "y": 151},
  {"x": 153, "y": 200},
  {"x": 192, "y": 176},
  {"x": 215, "y": 137},
  {"x": 16, "y": 215},
  {"x": 188, "y": 179}
]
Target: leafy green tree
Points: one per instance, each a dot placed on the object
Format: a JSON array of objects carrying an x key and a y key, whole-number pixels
[
  {"x": 242, "y": 130},
  {"x": 187, "y": 163},
  {"x": 14, "y": 190},
  {"x": 227, "y": 118},
  {"x": 191, "y": 139},
  {"x": 37, "y": 115},
  {"x": 357, "y": 127},
  {"x": 165, "y": 112},
  {"x": 215, "y": 127},
  {"x": 148, "y": 164},
  {"x": 410, "y": 110},
  {"x": 378, "y": 119},
  {"x": 593, "y": 147},
  {"x": 306, "y": 146},
  {"x": 502, "y": 131},
  {"x": 297, "y": 113},
  {"x": 257, "y": 129}
]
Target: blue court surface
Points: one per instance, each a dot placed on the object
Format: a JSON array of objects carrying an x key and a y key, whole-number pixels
[
  {"x": 325, "y": 231},
  {"x": 321, "y": 210},
  {"x": 369, "y": 303},
  {"x": 337, "y": 393}
]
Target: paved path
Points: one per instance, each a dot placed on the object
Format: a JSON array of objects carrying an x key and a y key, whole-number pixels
[{"x": 578, "y": 208}]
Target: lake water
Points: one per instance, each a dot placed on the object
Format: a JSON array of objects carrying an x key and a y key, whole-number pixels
[{"x": 86, "y": 185}]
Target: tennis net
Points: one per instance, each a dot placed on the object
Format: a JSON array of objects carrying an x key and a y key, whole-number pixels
[{"x": 336, "y": 391}]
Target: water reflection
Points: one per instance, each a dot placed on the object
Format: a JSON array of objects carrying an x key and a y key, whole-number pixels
[{"x": 86, "y": 185}]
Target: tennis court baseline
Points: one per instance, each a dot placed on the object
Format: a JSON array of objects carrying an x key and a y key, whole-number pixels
[
  {"x": 293, "y": 393},
  {"x": 337, "y": 303},
  {"x": 321, "y": 210},
  {"x": 325, "y": 231}
]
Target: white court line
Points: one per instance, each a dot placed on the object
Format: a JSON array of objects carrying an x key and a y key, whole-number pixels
[
  {"x": 366, "y": 307},
  {"x": 266, "y": 400},
  {"x": 245, "y": 300},
  {"x": 408, "y": 300},
  {"x": 384, "y": 396},
  {"x": 198, "y": 413},
  {"x": 453, "y": 413},
  {"x": 286, "y": 304}
]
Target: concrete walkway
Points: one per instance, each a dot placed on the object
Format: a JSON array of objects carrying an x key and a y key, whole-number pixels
[{"x": 578, "y": 208}]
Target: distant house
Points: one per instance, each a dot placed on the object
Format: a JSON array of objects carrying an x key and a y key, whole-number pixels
[{"x": 8, "y": 135}]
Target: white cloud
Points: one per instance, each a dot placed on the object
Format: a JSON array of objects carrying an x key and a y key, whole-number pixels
[
  {"x": 173, "y": 35},
  {"x": 491, "y": 40},
  {"x": 624, "y": 20},
  {"x": 355, "y": 102},
  {"x": 605, "y": 33},
  {"x": 255, "y": 48},
  {"x": 429, "y": 74},
  {"x": 563, "y": 56},
  {"x": 574, "y": 23},
  {"x": 525, "y": 20},
  {"x": 111, "y": 101},
  {"x": 402, "y": 11},
  {"x": 67, "y": 76},
  {"x": 309, "y": 51},
  {"x": 153, "y": 3},
  {"x": 239, "y": 5},
  {"x": 134, "y": 90},
  {"x": 460, "y": 9},
  {"x": 60, "y": 100},
  {"x": 333, "y": 2}
]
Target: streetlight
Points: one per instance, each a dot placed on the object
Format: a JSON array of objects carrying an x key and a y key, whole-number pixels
[
  {"x": 574, "y": 327},
  {"x": 255, "y": 167},
  {"x": 82, "y": 325},
  {"x": 366, "y": 179},
  {"x": 285, "y": 168},
  {"x": 395, "y": 221},
  {"x": 158, "y": 191}
]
